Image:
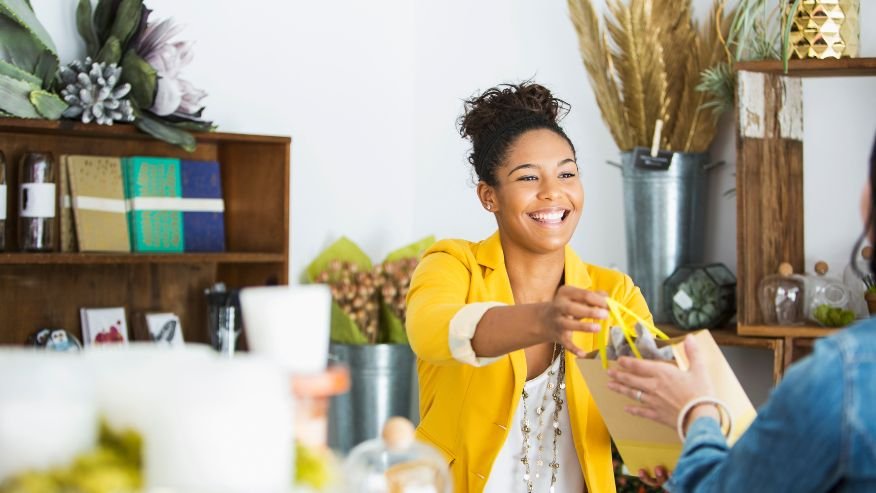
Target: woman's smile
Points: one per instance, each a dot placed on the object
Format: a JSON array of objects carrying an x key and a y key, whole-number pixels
[{"x": 551, "y": 217}]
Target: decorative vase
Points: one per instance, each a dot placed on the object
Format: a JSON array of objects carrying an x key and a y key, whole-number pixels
[
  {"x": 825, "y": 29},
  {"x": 382, "y": 385},
  {"x": 664, "y": 214}
]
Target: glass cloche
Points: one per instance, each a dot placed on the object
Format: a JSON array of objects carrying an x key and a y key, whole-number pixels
[
  {"x": 782, "y": 297},
  {"x": 827, "y": 299},
  {"x": 701, "y": 296},
  {"x": 396, "y": 463}
]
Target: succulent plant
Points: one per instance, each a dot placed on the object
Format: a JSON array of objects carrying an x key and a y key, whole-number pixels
[{"x": 93, "y": 92}]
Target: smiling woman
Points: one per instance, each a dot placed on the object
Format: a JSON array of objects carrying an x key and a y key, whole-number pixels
[{"x": 495, "y": 324}]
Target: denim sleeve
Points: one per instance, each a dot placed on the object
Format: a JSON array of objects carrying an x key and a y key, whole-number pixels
[{"x": 793, "y": 445}]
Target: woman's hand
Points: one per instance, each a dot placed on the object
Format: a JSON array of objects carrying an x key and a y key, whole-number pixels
[
  {"x": 561, "y": 317},
  {"x": 662, "y": 389}
]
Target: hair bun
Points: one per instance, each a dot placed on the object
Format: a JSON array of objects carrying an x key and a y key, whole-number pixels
[{"x": 499, "y": 105}]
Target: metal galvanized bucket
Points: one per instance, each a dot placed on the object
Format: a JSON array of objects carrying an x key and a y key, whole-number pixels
[
  {"x": 381, "y": 386},
  {"x": 665, "y": 211}
]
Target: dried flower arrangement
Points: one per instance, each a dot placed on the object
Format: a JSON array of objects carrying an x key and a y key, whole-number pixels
[{"x": 650, "y": 68}]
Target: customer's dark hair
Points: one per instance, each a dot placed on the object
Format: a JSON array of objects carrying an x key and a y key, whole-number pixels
[
  {"x": 494, "y": 119},
  {"x": 870, "y": 221}
]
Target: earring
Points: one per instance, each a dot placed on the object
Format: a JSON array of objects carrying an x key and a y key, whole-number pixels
[{"x": 489, "y": 207}]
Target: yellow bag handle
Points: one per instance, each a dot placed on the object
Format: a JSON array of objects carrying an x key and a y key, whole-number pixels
[{"x": 616, "y": 309}]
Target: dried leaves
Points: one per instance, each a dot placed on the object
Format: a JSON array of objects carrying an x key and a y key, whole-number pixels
[{"x": 649, "y": 70}]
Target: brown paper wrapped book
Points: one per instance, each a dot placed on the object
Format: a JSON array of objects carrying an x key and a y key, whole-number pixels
[{"x": 644, "y": 444}]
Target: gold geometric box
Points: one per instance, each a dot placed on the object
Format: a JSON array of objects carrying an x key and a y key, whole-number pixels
[{"x": 825, "y": 29}]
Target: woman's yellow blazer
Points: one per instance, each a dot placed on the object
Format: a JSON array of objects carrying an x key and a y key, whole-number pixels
[{"x": 466, "y": 411}]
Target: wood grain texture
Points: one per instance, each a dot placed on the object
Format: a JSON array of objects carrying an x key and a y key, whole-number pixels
[
  {"x": 805, "y": 331},
  {"x": 830, "y": 67},
  {"x": 769, "y": 195},
  {"x": 47, "y": 290}
]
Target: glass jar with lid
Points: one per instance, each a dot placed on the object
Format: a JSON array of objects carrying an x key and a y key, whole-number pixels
[
  {"x": 827, "y": 299},
  {"x": 782, "y": 297},
  {"x": 396, "y": 462}
]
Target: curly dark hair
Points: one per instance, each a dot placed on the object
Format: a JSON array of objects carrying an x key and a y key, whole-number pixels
[{"x": 494, "y": 120}]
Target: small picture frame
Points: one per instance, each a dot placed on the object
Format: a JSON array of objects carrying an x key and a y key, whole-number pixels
[
  {"x": 103, "y": 326},
  {"x": 164, "y": 329}
]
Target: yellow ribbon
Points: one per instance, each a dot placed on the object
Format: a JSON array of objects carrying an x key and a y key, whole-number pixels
[{"x": 616, "y": 310}]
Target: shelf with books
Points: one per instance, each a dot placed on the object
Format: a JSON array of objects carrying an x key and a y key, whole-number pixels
[
  {"x": 141, "y": 258},
  {"x": 48, "y": 289}
]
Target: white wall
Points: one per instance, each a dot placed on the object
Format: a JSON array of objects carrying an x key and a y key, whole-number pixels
[{"x": 370, "y": 92}]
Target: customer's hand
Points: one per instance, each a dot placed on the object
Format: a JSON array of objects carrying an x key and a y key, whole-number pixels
[
  {"x": 661, "y": 388},
  {"x": 562, "y": 316},
  {"x": 656, "y": 481}
]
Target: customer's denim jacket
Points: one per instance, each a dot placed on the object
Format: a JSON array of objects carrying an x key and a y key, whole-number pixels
[{"x": 817, "y": 431}]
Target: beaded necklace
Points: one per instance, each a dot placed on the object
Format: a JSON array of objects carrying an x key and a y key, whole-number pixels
[{"x": 556, "y": 389}]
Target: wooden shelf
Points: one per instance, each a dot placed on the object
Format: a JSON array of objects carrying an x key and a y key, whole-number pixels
[
  {"x": 48, "y": 289},
  {"x": 139, "y": 258},
  {"x": 831, "y": 67},
  {"x": 727, "y": 337},
  {"x": 785, "y": 331}
]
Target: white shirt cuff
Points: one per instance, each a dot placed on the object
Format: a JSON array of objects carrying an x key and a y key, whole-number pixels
[{"x": 462, "y": 329}]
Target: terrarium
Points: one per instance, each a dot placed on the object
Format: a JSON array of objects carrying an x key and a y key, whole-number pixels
[
  {"x": 828, "y": 300},
  {"x": 700, "y": 296}
]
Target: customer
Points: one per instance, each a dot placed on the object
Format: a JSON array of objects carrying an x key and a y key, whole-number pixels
[
  {"x": 491, "y": 322},
  {"x": 817, "y": 431}
]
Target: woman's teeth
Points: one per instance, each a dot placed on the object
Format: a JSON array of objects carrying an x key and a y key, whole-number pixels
[{"x": 548, "y": 217}]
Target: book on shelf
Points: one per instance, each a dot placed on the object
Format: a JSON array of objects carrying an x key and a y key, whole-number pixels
[
  {"x": 202, "y": 205},
  {"x": 153, "y": 190},
  {"x": 98, "y": 199}
]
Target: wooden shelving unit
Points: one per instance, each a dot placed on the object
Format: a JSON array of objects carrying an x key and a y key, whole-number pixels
[
  {"x": 769, "y": 185},
  {"x": 831, "y": 67},
  {"x": 47, "y": 289}
]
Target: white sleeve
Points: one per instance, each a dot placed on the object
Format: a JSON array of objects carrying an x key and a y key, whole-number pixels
[{"x": 462, "y": 329}]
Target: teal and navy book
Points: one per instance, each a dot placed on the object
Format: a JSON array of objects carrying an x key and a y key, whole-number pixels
[{"x": 153, "y": 189}]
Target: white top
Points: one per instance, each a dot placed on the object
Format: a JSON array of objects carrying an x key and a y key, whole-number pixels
[{"x": 507, "y": 473}]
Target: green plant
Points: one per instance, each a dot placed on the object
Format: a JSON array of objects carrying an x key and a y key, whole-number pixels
[
  {"x": 831, "y": 316},
  {"x": 28, "y": 64},
  {"x": 760, "y": 30},
  {"x": 119, "y": 31}
]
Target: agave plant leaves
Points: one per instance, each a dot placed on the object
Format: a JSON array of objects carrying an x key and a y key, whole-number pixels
[
  {"x": 21, "y": 12},
  {"x": 47, "y": 104},
  {"x": 46, "y": 68},
  {"x": 15, "y": 97},
  {"x": 11, "y": 70},
  {"x": 17, "y": 45},
  {"x": 163, "y": 131},
  {"x": 142, "y": 77},
  {"x": 85, "y": 26},
  {"x": 111, "y": 51}
]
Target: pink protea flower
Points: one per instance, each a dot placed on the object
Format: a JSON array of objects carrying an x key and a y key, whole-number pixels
[{"x": 174, "y": 95}]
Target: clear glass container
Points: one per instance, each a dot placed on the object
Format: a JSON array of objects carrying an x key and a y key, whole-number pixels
[
  {"x": 2, "y": 202},
  {"x": 396, "y": 463},
  {"x": 827, "y": 299},
  {"x": 858, "y": 285},
  {"x": 700, "y": 296},
  {"x": 782, "y": 297},
  {"x": 36, "y": 202}
]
